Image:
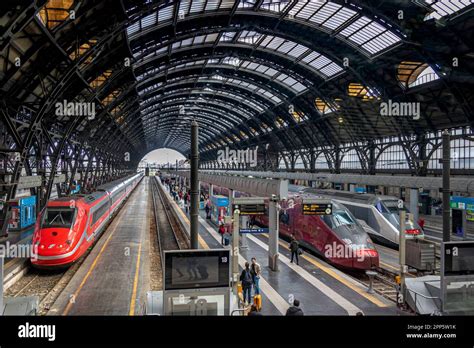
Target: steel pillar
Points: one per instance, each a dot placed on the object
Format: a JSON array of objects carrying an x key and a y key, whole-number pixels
[
  {"x": 446, "y": 186},
  {"x": 273, "y": 226},
  {"x": 414, "y": 193},
  {"x": 194, "y": 208}
]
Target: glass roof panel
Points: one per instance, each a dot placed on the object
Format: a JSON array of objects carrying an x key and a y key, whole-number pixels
[
  {"x": 212, "y": 5},
  {"x": 443, "y": 8},
  {"x": 322, "y": 13},
  {"x": 197, "y": 6}
]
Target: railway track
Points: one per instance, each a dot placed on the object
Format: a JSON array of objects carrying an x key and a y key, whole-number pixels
[
  {"x": 47, "y": 285},
  {"x": 169, "y": 234},
  {"x": 382, "y": 284}
]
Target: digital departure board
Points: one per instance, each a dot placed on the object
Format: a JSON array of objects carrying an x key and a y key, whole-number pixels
[
  {"x": 317, "y": 208},
  {"x": 250, "y": 209},
  {"x": 197, "y": 269},
  {"x": 458, "y": 258}
]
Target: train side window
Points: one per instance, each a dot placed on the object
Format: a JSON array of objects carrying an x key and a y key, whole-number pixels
[{"x": 99, "y": 212}]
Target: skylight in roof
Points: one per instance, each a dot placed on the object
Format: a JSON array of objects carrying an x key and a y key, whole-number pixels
[
  {"x": 249, "y": 37},
  {"x": 443, "y": 8},
  {"x": 323, "y": 14},
  {"x": 369, "y": 36},
  {"x": 427, "y": 75}
]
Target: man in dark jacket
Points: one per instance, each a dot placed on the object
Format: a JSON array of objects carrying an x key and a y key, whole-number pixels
[
  {"x": 294, "y": 310},
  {"x": 247, "y": 282},
  {"x": 294, "y": 248}
]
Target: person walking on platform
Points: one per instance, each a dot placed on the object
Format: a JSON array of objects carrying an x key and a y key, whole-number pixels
[
  {"x": 208, "y": 210},
  {"x": 222, "y": 232},
  {"x": 246, "y": 279},
  {"x": 294, "y": 248},
  {"x": 294, "y": 310},
  {"x": 256, "y": 273}
]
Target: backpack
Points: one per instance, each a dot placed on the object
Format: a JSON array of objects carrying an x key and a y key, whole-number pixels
[{"x": 247, "y": 278}]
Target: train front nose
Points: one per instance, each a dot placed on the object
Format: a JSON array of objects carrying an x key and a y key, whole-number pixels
[
  {"x": 366, "y": 259},
  {"x": 52, "y": 241}
]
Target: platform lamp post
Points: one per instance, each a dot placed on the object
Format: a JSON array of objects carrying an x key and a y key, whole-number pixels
[{"x": 194, "y": 211}]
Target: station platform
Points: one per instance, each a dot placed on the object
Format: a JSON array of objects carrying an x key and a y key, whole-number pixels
[
  {"x": 321, "y": 288},
  {"x": 434, "y": 228},
  {"x": 15, "y": 265},
  {"x": 114, "y": 278}
]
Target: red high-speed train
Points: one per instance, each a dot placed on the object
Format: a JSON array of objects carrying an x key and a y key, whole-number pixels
[
  {"x": 68, "y": 226},
  {"x": 338, "y": 238}
]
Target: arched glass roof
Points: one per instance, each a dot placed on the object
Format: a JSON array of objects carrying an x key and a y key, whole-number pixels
[
  {"x": 347, "y": 23},
  {"x": 315, "y": 61}
]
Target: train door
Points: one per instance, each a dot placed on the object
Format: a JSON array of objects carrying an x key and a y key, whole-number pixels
[{"x": 285, "y": 223}]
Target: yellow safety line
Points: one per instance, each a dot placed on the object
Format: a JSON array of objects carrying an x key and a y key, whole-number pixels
[
  {"x": 135, "y": 282},
  {"x": 91, "y": 268},
  {"x": 336, "y": 276}
]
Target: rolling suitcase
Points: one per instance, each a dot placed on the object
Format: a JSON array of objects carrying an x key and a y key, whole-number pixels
[
  {"x": 257, "y": 301},
  {"x": 226, "y": 239}
]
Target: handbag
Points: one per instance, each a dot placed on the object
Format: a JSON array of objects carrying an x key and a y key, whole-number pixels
[{"x": 300, "y": 251}]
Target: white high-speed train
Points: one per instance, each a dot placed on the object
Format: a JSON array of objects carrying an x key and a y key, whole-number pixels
[{"x": 378, "y": 214}]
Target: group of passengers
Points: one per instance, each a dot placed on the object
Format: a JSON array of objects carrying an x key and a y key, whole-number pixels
[
  {"x": 250, "y": 279},
  {"x": 180, "y": 194}
]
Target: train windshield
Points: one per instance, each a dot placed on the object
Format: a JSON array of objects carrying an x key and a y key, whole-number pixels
[
  {"x": 345, "y": 226},
  {"x": 54, "y": 217},
  {"x": 338, "y": 218}
]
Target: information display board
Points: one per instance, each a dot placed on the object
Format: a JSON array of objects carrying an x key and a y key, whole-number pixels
[
  {"x": 250, "y": 209},
  {"x": 317, "y": 207},
  {"x": 458, "y": 258},
  {"x": 457, "y": 277},
  {"x": 197, "y": 269}
]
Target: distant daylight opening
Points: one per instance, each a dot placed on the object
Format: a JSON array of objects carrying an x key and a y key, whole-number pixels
[{"x": 163, "y": 158}]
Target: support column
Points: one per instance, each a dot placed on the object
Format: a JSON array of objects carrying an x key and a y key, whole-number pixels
[
  {"x": 211, "y": 191},
  {"x": 446, "y": 186},
  {"x": 231, "y": 201},
  {"x": 273, "y": 226},
  {"x": 194, "y": 211},
  {"x": 235, "y": 250},
  {"x": 401, "y": 251},
  {"x": 243, "y": 237},
  {"x": 351, "y": 187},
  {"x": 414, "y": 193}
]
